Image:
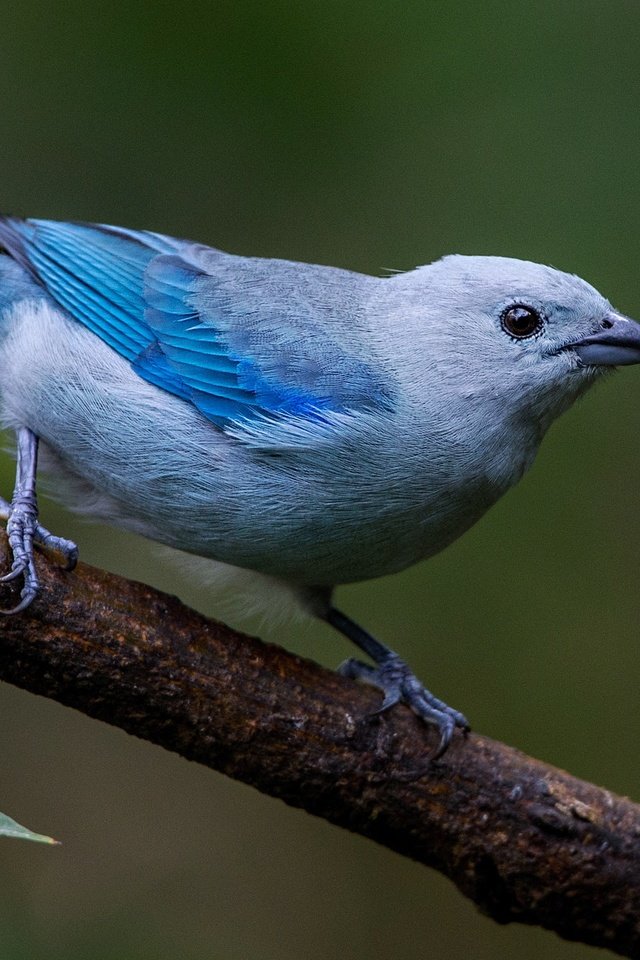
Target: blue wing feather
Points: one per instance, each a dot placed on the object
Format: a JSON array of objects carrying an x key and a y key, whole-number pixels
[
  {"x": 97, "y": 312},
  {"x": 101, "y": 291},
  {"x": 198, "y": 323},
  {"x": 153, "y": 366}
]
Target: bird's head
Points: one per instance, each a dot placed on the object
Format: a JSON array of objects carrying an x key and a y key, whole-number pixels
[{"x": 517, "y": 333}]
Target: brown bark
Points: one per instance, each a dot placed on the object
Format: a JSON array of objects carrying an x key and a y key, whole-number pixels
[{"x": 526, "y": 841}]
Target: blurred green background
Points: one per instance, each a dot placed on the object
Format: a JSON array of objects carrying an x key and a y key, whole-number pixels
[{"x": 366, "y": 135}]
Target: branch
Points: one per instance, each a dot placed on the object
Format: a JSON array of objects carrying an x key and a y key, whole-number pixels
[{"x": 525, "y": 841}]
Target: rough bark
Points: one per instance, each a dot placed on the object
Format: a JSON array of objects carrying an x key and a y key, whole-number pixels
[{"x": 524, "y": 840}]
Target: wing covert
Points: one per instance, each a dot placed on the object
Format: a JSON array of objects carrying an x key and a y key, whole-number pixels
[{"x": 238, "y": 337}]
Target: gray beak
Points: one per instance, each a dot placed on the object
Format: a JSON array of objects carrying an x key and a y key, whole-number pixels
[{"x": 617, "y": 344}]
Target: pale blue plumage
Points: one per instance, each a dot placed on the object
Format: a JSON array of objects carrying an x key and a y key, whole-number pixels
[
  {"x": 307, "y": 424},
  {"x": 168, "y": 307}
]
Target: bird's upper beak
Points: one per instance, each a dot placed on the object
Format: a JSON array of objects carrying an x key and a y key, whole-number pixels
[{"x": 616, "y": 344}]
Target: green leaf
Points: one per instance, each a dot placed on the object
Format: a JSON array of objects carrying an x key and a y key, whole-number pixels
[{"x": 9, "y": 828}]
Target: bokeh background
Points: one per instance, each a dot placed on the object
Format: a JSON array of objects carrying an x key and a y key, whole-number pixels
[{"x": 367, "y": 135}]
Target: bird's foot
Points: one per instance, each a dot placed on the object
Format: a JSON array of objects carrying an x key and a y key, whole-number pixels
[
  {"x": 23, "y": 531},
  {"x": 23, "y": 528},
  {"x": 46, "y": 540},
  {"x": 400, "y": 685}
]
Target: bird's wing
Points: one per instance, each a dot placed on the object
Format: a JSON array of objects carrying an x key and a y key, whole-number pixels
[{"x": 241, "y": 338}]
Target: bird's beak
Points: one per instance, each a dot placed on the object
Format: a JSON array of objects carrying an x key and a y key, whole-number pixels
[{"x": 617, "y": 344}]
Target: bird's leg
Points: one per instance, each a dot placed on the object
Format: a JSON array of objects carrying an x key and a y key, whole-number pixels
[
  {"x": 23, "y": 529},
  {"x": 398, "y": 684}
]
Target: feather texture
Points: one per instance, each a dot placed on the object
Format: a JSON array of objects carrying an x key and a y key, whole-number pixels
[
  {"x": 313, "y": 424},
  {"x": 185, "y": 317}
]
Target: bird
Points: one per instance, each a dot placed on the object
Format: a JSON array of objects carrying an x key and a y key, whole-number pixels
[{"x": 299, "y": 426}]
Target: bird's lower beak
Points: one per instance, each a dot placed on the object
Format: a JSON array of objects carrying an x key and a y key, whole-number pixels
[{"x": 617, "y": 344}]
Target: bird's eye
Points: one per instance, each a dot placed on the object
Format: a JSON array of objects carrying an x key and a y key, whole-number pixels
[{"x": 521, "y": 321}]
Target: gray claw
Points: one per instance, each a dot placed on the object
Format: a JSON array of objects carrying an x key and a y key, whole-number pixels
[
  {"x": 399, "y": 684},
  {"x": 395, "y": 679},
  {"x": 27, "y": 594},
  {"x": 66, "y": 548},
  {"x": 23, "y": 528}
]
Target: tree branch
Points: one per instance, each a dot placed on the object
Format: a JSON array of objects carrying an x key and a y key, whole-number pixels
[{"x": 525, "y": 841}]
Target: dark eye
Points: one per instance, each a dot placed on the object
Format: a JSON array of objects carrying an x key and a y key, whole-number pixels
[{"x": 521, "y": 321}]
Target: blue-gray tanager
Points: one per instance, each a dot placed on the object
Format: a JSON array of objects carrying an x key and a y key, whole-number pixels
[{"x": 309, "y": 425}]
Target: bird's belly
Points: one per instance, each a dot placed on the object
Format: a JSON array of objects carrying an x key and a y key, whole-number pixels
[
  {"x": 297, "y": 531},
  {"x": 132, "y": 455}
]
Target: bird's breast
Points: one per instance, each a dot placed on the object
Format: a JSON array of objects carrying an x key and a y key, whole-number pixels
[{"x": 370, "y": 497}]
